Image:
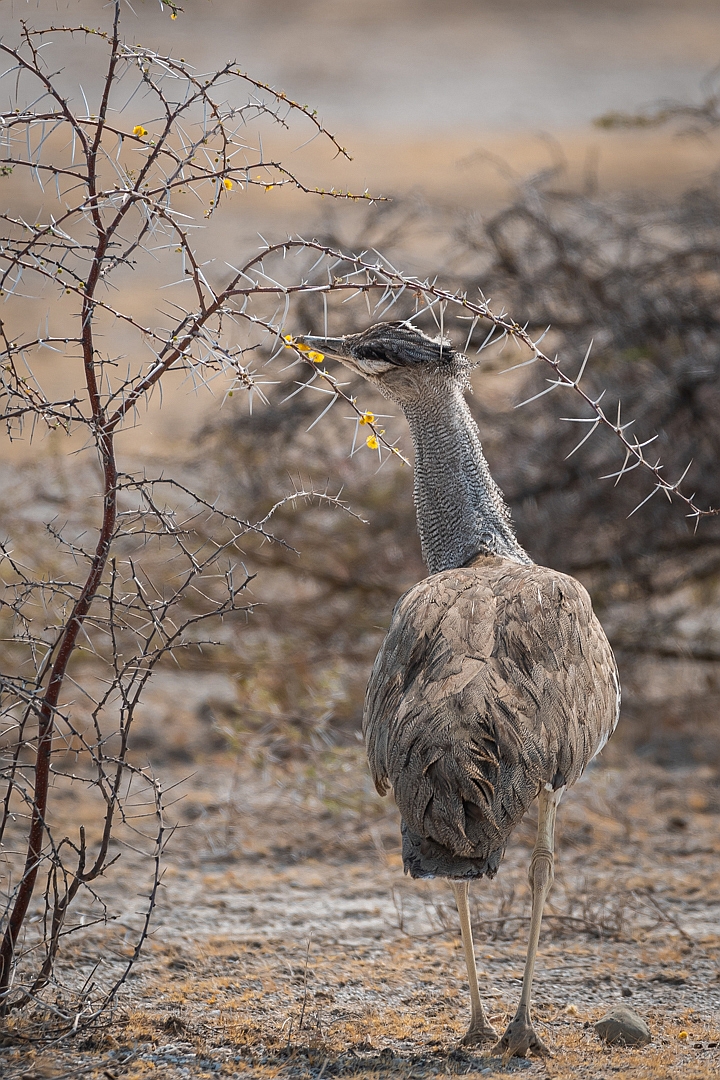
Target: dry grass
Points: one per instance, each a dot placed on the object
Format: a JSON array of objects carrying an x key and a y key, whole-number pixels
[{"x": 287, "y": 942}]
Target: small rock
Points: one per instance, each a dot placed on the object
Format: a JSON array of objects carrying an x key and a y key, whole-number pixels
[
  {"x": 623, "y": 1026},
  {"x": 626, "y": 991}
]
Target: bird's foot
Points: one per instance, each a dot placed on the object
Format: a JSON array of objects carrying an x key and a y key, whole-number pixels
[
  {"x": 478, "y": 1033},
  {"x": 520, "y": 1038}
]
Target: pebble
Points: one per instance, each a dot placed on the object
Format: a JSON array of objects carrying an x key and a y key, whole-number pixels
[{"x": 622, "y": 1025}]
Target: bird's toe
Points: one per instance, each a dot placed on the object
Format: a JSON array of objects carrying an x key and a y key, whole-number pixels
[
  {"x": 477, "y": 1034},
  {"x": 520, "y": 1039}
]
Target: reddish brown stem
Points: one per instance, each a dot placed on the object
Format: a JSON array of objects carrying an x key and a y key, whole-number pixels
[
  {"x": 47, "y": 716},
  {"x": 69, "y": 636}
]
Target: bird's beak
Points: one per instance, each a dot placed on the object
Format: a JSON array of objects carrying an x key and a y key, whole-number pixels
[{"x": 335, "y": 348}]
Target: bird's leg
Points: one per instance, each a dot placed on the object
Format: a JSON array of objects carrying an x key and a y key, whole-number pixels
[
  {"x": 480, "y": 1030},
  {"x": 520, "y": 1036}
]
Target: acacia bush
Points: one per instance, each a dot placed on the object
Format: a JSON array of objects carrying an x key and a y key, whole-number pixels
[{"x": 117, "y": 568}]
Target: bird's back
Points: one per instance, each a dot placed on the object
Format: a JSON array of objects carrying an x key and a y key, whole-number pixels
[{"x": 494, "y": 679}]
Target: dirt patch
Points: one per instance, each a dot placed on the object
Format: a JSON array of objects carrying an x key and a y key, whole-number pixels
[{"x": 288, "y": 943}]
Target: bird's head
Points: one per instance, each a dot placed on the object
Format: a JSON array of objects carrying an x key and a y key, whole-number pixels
[{"x": 399, "y": 359}]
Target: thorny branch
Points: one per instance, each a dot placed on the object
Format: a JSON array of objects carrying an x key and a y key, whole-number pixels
[{"x": 101, "y": 212}]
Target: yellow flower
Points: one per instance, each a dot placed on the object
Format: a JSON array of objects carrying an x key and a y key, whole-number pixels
[
  {"x": 174, "y": 15},
  {"x": 228, "y": 184},
  {"x": 291, "y": 343},
  {"x": 372, "y": 442},
  {"x": 367, "y": 418},
  {"x": 683, "y": 1035},
  {"x": 139, "y": 130}
]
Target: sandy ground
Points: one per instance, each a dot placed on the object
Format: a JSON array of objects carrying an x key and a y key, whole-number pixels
[{"x": 287, "y": 942}]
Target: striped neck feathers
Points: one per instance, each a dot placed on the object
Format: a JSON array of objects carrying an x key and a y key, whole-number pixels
[{"x": 460, "y": 509}]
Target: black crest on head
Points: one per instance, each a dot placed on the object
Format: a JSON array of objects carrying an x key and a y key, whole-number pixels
[{"x": 401, "y": 344}]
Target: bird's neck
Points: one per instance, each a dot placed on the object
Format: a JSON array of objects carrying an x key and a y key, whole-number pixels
[{"x": 460, "y": 509}]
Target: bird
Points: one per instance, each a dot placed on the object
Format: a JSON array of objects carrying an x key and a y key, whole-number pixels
[{"x": 495, "y": 684}]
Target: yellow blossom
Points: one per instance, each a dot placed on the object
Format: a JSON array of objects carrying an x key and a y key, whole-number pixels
[
  {"x": 372, "y": 442},
  {"x": 174, "y": 15},
  {"x": 291, "y": 343},
  {"x": 139, "y": 130},
  {"x": 367, "y": 418},
  {"x": 228, "y": 184},
  {"x": 683, "y": 1035},
  {"x": 269, "y": 187}
]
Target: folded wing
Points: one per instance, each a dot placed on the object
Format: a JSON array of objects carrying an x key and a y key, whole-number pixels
[{"x": 493, "y": 680}]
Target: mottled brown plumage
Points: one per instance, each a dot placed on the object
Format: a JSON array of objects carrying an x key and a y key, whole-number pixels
[
  {"x": 495, "y": 684},
  {"x": 492, "y": 681}
]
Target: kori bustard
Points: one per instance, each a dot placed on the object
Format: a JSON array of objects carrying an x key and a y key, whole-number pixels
[{"x": 496, "y": 684}]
